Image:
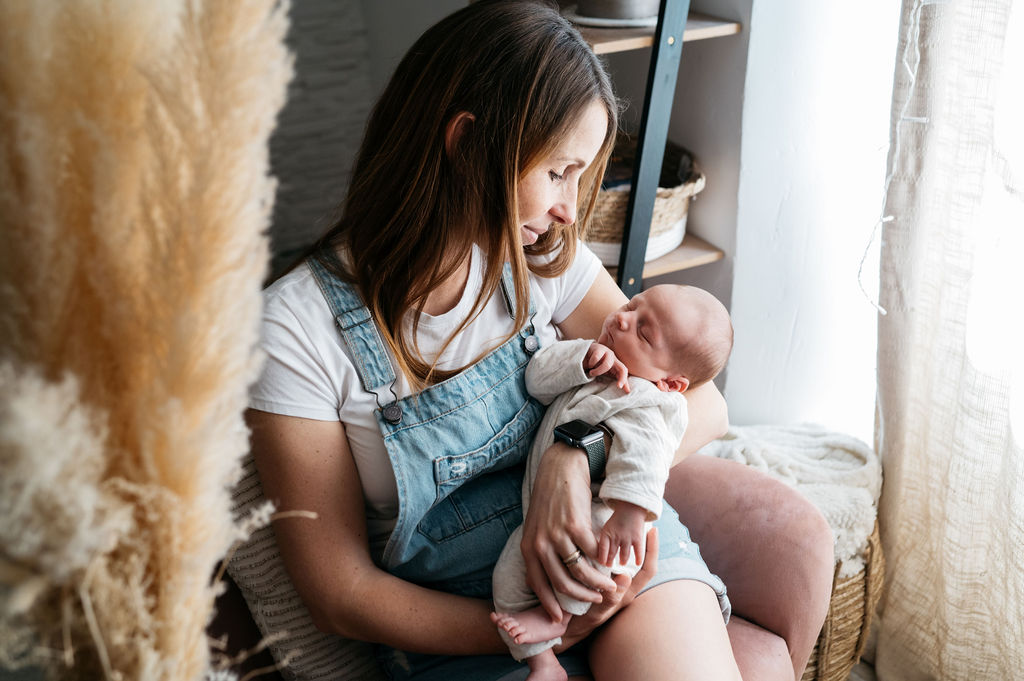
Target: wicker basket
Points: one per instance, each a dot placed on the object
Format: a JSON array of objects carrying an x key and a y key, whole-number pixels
[
  {"x": 680, "y": 180},
  {"x": 845, "y": 632}
]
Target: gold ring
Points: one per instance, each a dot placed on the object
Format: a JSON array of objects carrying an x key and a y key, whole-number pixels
[{"x": 573, "y": 558}]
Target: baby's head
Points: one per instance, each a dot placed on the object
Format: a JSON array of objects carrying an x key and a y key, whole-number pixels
[{"x": 674, "y": 336}]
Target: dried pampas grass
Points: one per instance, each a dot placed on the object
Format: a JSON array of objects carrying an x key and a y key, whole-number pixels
[{"x": 134, "y": 197}]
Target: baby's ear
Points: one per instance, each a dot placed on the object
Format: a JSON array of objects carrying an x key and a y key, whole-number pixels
[{"x": 673, "y": 384}]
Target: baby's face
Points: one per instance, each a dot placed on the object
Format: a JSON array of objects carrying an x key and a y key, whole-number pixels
[{"x": 643, "y": 332}]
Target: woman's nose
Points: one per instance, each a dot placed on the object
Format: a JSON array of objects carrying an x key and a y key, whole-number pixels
[{"x": 564, "y": 209}]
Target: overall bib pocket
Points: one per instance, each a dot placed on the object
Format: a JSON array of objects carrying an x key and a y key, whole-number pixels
[
  {"x": 508, "y": 447},
  {"x": 495, "y": 498}
]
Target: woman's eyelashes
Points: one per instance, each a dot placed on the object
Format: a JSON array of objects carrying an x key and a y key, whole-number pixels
[{"x": 556, "y": 177}]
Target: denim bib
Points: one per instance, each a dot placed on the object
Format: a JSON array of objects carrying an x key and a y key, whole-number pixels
[{"x": 457, "y": 449}]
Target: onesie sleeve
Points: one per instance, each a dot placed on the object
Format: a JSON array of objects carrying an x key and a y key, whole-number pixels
[
  {"x": 642, "y": 450},
  {"x": 556, "y": 368}
]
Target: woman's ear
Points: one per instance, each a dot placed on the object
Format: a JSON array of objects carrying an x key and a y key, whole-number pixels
[{"x": 456, "y": 129}]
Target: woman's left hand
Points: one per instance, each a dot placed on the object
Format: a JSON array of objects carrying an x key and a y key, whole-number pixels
[{"x": 558, "y": 523}]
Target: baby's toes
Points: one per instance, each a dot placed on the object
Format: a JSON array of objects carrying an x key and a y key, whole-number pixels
[
  {"x": 504, "y": 621},
  {"x": 515, "y": 630},
  {"x": 510, "y": 625}
]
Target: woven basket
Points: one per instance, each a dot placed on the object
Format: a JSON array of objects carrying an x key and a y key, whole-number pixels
[
  {"x": 671, "y": 205},
  {"x": 845, "y": 632}
]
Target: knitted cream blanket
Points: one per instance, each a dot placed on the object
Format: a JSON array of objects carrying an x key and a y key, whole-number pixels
[{"x": 838, "y": 473}]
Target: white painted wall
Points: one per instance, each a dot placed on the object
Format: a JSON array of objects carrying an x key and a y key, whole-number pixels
[{"x": 812, "y": 166}]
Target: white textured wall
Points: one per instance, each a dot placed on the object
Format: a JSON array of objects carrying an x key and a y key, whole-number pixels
[{"x": 815, "y": 128}]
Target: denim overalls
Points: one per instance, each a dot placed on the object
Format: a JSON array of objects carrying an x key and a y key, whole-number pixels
[{"x": 457, "y": 450}]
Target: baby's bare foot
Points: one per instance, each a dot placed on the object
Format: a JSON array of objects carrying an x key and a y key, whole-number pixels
[{"x": 530, "y": 626}]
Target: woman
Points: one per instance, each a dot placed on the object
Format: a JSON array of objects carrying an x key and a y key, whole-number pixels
[{"x": 393, "y": 405}]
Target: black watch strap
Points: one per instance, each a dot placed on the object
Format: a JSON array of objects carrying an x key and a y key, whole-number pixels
[
  {"x": 590, "y": 439},
  {"x": 596, "y": 457},
  {"x": 599, "y": 461}
]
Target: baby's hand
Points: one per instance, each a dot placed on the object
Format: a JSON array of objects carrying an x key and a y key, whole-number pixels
[
  {"x": 623, "y": 531},
  {"x": 600, "y": 360}
]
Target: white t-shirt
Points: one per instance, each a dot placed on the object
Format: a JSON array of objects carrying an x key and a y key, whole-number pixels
[{"x": 309, "y": 372}]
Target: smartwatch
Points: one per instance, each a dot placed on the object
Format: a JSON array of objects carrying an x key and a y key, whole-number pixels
[{"x": 588, "y": 438}]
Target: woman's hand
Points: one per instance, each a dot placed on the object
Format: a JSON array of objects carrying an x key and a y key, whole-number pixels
[
  {"x": 556, "y": 525},
  {"x": 582, "y": 626}
]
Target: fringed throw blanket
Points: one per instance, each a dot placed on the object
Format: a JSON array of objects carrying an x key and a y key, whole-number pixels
[
  {"x": 838, "y": 473},
  {"x": 134, "y": 196}
]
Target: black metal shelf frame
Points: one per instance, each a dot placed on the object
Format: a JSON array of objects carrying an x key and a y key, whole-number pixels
[{"x": 651, "y": 139}]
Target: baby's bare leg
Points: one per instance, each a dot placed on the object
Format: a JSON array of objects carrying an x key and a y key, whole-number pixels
[
  {"x": 531, "y": 626},
  {"x": 545, "y": 667}
]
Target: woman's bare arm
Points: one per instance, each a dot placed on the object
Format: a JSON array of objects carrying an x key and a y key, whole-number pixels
[
  {"x": 707, "y": 419},
  {"x": 602, "y": 298},
  {"x": 307, "y": 465}
]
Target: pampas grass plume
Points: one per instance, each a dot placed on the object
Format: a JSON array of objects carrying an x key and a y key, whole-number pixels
[{"x": 134, "y": 198}]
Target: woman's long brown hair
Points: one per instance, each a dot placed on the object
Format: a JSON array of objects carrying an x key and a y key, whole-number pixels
[{"x": 413, "y": 211}]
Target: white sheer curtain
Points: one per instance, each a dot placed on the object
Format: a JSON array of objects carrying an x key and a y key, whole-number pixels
[{"x": 951, "y": 347}]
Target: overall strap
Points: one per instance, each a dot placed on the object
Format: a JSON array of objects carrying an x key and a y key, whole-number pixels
[
  {"x": 355, "y": 323},
  {"x": 356, "y": 327},
  {"x": 508, "y": 291}
]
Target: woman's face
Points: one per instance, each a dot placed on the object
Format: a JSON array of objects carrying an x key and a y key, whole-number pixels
[{"x": 547, "y": 192}]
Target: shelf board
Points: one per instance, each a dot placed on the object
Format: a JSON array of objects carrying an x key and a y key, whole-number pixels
[
  {"x": 693, "y": 252},
  {"x": 698, "y": 27}
]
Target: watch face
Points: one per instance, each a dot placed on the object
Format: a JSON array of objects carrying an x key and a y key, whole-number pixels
[{"x": 580, "y": 431}]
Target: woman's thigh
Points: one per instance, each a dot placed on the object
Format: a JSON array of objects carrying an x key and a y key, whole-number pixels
[{"x": 673, "y": 631}]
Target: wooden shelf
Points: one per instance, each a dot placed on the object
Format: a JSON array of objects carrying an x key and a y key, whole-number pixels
[
  {"x": 698, "y": 27},
  {"x": 693, "y": 252}
]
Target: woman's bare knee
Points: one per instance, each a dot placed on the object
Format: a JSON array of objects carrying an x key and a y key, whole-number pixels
[{"x": 673, "y": 631}]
